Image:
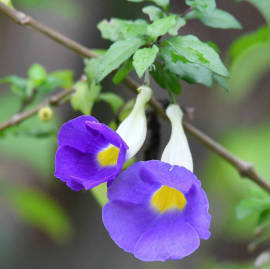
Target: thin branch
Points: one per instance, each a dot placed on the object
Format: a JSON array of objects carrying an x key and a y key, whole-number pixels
[
  {"x": 25, "y": 20},
  {"x": 51, "y": 101},
  {"x": 245, "y": 169}
]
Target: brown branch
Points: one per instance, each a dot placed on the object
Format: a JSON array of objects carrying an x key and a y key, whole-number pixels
[
  {"x": 25, "y": 20},
  {"x": 51, "y": 101},
  {"x": 245, "y": 169}
]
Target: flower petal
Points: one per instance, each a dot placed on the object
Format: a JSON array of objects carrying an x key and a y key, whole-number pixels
[
  {"x": 169, "y": 175},
  {"x": 76, "y": 167},
  {"x": 75, "y": 134},
  {"x": 101, "y": 132},
  {"x": 169, "y": 237},
  {"x": 126, "y": 222},
  {"x": 131, "y": 187},
  {"x": 196, "y": 211}
]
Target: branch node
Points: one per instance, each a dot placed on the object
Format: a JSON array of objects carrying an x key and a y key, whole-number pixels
[
  {"x": 246, "y": 169},
  {"x": 23, "y": 19}
]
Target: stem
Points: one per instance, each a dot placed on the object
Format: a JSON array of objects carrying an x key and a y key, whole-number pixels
[
  {"x": 172, "y": 97},
  {"x": 245, "y": 169}
]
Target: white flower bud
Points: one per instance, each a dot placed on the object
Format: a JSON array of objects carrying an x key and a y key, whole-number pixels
[
  {"x": 177, "y": 151},
  {"x": 133, "y": 129}
]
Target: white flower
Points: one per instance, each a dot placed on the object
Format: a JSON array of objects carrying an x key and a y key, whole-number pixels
[
  {"x": 133, "y": 129},
  {"x": 177, "y": 151}
]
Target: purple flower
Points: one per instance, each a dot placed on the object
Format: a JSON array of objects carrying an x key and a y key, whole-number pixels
[
  {"x": 157, "y": 211},
  {"x": 89, "y": 153}
]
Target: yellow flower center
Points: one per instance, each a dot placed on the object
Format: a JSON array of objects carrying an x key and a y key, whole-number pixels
[
  {"x": 167, "y": 198},
  {"x": 108, "y": 156}
]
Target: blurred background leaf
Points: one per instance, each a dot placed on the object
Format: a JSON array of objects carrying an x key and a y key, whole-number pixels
[
  {"x": 225, "y": 184},
  {"x": 39, "y": 210},
  {"x": 250, "y": 60}
]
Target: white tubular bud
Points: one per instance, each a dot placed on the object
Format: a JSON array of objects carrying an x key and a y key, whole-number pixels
[
  {"x": 177, "y": 151},
  {"x": 133, "y": 129}
]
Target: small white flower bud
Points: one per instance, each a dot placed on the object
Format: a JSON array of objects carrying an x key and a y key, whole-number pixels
[
  {"x": 133, "y": 129},
  {"x": 177, "y": 151}
]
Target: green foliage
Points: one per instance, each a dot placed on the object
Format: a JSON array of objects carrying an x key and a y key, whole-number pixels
[
  {"x": 7, "y": 2},
  {"x": 252, "y": 48},
  {"x": 114, "y": 100},
  {"x": 40, "y": 211},
  {"x": 190, "y": 72},
  {"x": 160, "y": 27},
  {"x": 153, "y": 12},
  {"x": 234, "y": 190},
  {"x": 38, "y": 82},
  {"x": 118, "y": 53},
  {"x": 179, "y": 22},
  {"x": 144, "y": 58},
  {"x": 37, "y": 74},
  {"x": 252, "y": 205},
  {"x": 207, "y": 13},
  {"x": 202, "y": 5},
  {"x": 123, "y": 72},
  {"x": 163, "y": 3},
  {"x": 19, "y": 86},
  {"x": 166, "y": 79},
  {"x": 263, "y": 6},
  {"x": 31, "y": 141},
  {"x": 66, "y": 8},
  {"x": 65, "y": 78},
  {"x": 190, "y": 49},
  {"x": 84, "y": 97},
  {"x": 118, "y": 29},
  {"x": 243, "y": 43}
]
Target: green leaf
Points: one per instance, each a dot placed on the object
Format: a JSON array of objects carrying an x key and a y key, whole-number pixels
[
  {"x": 65, "y": 77},
  {"x": 7, "y": 2},
  {"x": 190, "y": 49},
  {"x": 18, "y": 84},
  {"x": 123, "y": 72},
  {"x": 217, "y": 19},
  {"x": 91, "y": 66},
  {"x": 166, "y": 79},
  {"x": 153, "y": 12},
  {"x": 118, "y": 29},
  {"x": 144, "y": 58},
  {"x": 202, "y": 5},
  {"x": 253, "y": 48},
  {"x": 221, "y": 81},
  {"x": 84, "y": 97},
  {"x": 249, "y": 206},
  {"x": 37, "y": 74},
  {"x": 264, "y": 218},
  {"x": 243, "y": 43},
  {"x": 263, "y": 6},
  {"x": 162, "y": 3},
  {"x": 119, "y": 52},
  {"x": 100, "y": 194},
  {"x": 40, "y": 210},
  {"x": 179, "y": 22},
  {"x": 190, "y": 72},
  {"x": 114, "y": 100},
  {"x": 161, "y": 27}
]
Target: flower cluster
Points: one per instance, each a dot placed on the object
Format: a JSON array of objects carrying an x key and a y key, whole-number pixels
[{"x": 157, "y": 210}]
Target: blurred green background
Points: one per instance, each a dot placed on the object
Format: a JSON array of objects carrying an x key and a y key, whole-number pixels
[{"x": 43, "y": 224}]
